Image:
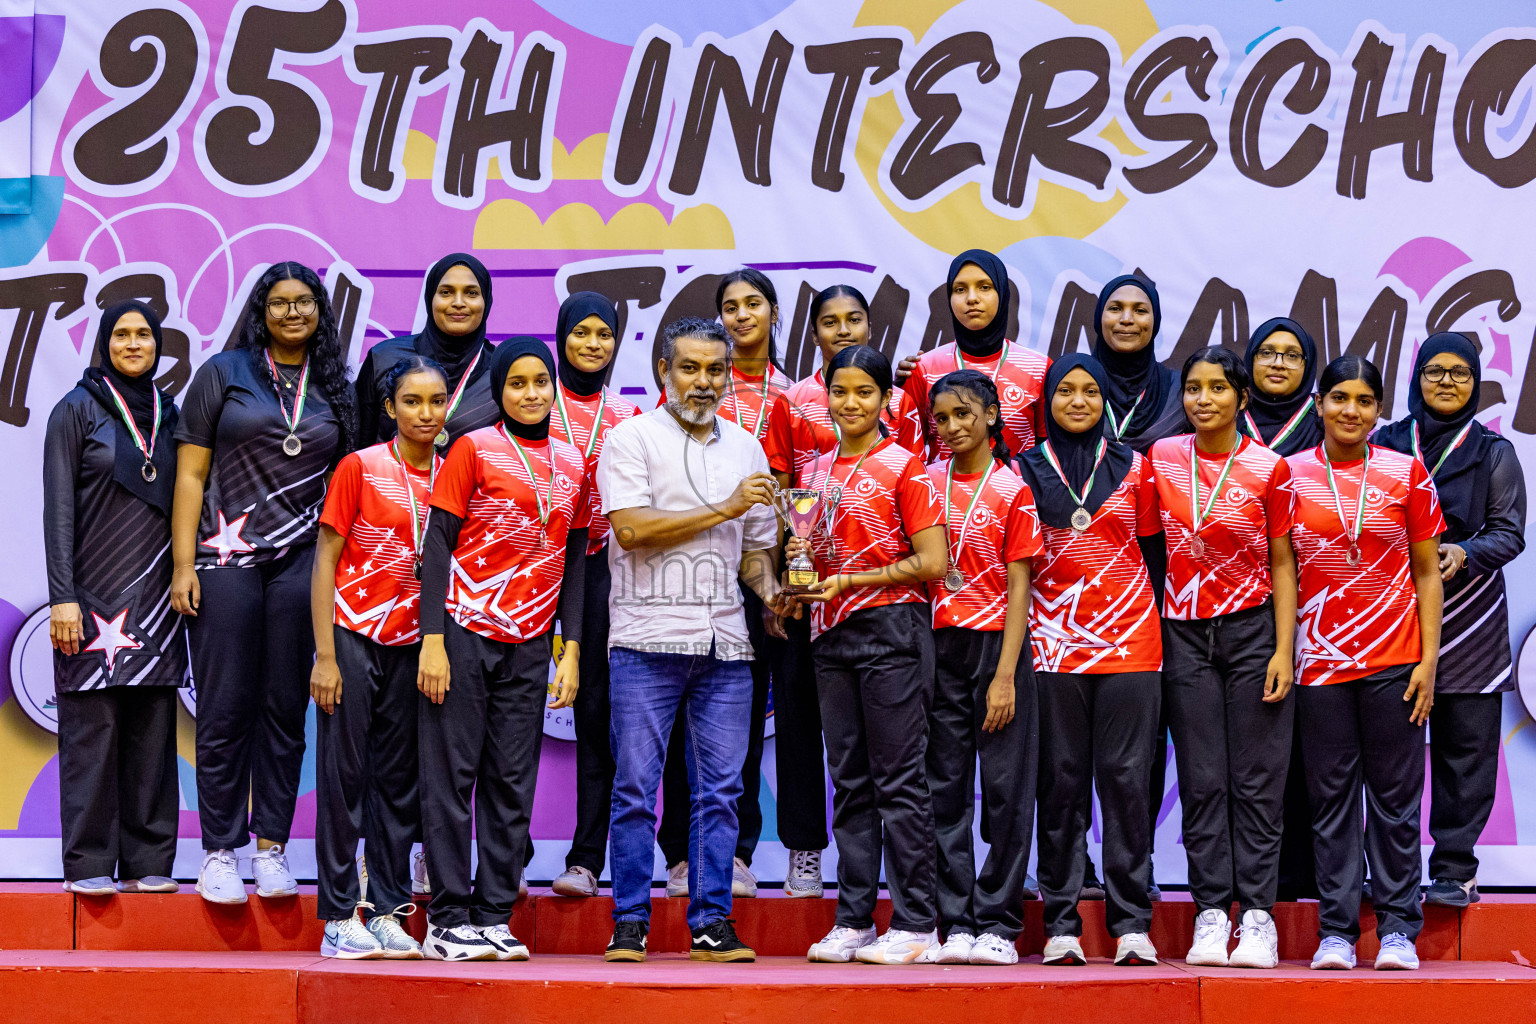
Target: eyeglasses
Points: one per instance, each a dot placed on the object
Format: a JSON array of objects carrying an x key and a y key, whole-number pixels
[
  {"x": 1274, "y": 355},
  {"x": 1436, "y": 374},
  {"x": 278, "y": 308}
]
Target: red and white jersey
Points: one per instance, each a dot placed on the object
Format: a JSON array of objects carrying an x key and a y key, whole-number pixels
[
  {"x": 882, "y": 505},
  {"x": 812, "y": 432},
  {"x": 1092, "y": 608},
  {"x": 1232, "y": 573},
  {"x": 1356, "y": 620},
  {"x": 377, "y": 592},
  {"x": 504, "y": 576},
  {"x": 1001, "y": 528},
  {"x": 746, "y": 404},
  {"x": 583, "y": 410},
  {"x": 1018, "y": 372}
]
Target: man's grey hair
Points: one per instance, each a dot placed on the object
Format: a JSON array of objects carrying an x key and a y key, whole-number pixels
[{"x": 692, "y": 327}]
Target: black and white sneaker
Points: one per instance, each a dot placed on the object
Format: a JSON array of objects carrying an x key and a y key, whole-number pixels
[
  {"x": 460, "y": 942},
  {"x": 628, "y": 943},
  {"x": 508, "y": 946},
  {"x": 718, "y": 943}
]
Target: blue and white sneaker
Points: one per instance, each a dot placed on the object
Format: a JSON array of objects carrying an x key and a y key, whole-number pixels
[
  {"x": 508, "y": 947},
  {"x": 1334, "y": 954},
  {"x": 350, "y": 939},
  {"x": 392, "y": 937},
  {"x": 461, "y": 942},
  {"x": 1397, "y": 953},
  {"x": 270, "y": 869},
  {"x": 101, "y": 885},
  {"x": 148, "y": 883},
  {"x": 219, "y": 879}
]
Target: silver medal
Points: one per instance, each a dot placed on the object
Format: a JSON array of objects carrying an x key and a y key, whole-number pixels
[
  {"x": 148, "y": 472},
  {"x": 441, "y": 440},
  {"x": 1197, "y": 547},
  {"x": 1352, "y": 556},
  {"x": 954, "y": 580},
  {"x": 292, "y": 445},
  {"x": 1081, "y": 520}
]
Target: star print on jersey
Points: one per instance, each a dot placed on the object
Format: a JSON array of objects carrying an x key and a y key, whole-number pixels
[
  {"x": 1057, "y": 630},
  {"x": 112, "y": 638},
  {"x": 1313, "y": 645},
  {"x": 227, "y": 540}
]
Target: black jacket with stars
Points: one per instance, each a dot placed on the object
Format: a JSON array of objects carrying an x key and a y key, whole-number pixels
[{"x": 110, "y": 552}]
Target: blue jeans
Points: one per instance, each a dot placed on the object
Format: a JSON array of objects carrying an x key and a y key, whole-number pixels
[{"x": 716, "y": 697}]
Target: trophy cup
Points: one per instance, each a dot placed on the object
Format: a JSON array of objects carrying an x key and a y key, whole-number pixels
[{"x": 801, "y": 511}]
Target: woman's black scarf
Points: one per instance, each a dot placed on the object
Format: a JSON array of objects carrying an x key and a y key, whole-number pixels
[
  {"x": 1075, "y": 453},
  {"x": 1271, "y": 413},
  {"x": 455, "y": 352},
  {"x": 987, "y": 341},
  {"x": 572, "y": 312},
  {"x": 1130, "y": 376},
  {"x": 502, "y": 358},
  {"x": 1462, "y": 494},
  {"x": 139, "y": 395}
]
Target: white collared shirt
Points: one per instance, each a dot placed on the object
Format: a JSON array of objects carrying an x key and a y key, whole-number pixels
[{"x": 683, "y": 599}]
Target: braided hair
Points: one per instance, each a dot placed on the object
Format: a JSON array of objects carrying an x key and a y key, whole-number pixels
[
  {"x": 975, "y": 385},
  {"x": 404, "y": 367}
]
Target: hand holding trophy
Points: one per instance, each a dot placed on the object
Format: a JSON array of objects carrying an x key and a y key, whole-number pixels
[{"x": 801, "y": 511}]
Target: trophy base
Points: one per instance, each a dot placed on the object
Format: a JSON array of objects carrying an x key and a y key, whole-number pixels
[{"x": 799, "y": 582}]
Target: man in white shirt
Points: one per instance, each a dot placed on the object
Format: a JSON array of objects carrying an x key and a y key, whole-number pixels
[{"x": 690, "y": 499}]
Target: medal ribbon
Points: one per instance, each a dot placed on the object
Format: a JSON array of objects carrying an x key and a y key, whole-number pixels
[
  {"x": 1050, "y": 457},
  {"x": 1338, "y": 502},
  {"x": 133, "y": 428},
  {"x": 597, "y": 422},
  {"x": 1114, "y": 422},
  {"x": 1285, "y": 431},
  {"x": 949, "y": 487},
  {"x": 418, "y": 518},
  {"x": 762, "y": 409},
  {"x": 1196, "y": 513},
  {"x": 545, "y": 504},
  {"x": 843, "y": 484},
  {"x": 458, "y": 393},
  {"x": 298, "y": 400},
  {"x": 1003, "y": 358},
  {"x": 1416, "y": 452}
]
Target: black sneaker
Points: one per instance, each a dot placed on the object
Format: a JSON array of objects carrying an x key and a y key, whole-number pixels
[
  {"x": 1450, "y": 893},
  {"x": 628, "y": 943},
  {"x": 718, "y": 943}
]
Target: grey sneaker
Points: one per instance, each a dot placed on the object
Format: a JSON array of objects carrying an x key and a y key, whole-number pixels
[
  {"x": 1135, "y": 950},
  {"x": 219, "y": 879},
  {"x": 421, "y": 885},
  {"x": 1397, "y": 953},
  {"x": 677, "y": 880},
  {"x": 1334, "y": 954},
  {"x": 270, "y": 868},
  {"x": 743, "y": 881},
  {"x": 101, "y": 885},
  {"x": 148, "y": 883},
  {"x": 393, "y": 939},
  {"x": 804, "y": 881},
  {"x": 575, "y": 881}
]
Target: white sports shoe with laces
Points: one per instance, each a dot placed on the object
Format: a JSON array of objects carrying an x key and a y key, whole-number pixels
[
  {"x": 219, "y": 879},
  {"x": 804, "y": 875},
  {"x": 957, "y": 948},
  {"x": 993, "y": 950},
  {"x": 270, "y": 869},
  {"x": 1064, "y": 951},
  {"x": 1258, "y": 944},
  {"x": 898, "y": 946},
  {"x": 839, "y": 945},
  {"x": 1213, "y": 930}
]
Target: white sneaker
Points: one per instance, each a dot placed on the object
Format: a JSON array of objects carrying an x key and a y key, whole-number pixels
[
  {"x": 840, "y": 945},
  {"x": 1212, "y": 932},
  {"x": 804, "y": 876},
  {"x": 460, "y": 942},
  {"x": 901, "y": 947},
  {"x": 743, "y": 881},
  {"x": 508, "y": 946},
  {"x": 270, "y": 869},
  {"x": 1334, "y": 954},
  {"x": 1135, "y": 950},
  {"x": 350, "y": 939},
  {"x": 575, "y": 881},
  {"x": 1397, "y": 953},
  {"x": 677, "y": 880},
  {"x": 393, "y": 938},
  {"x": 219, "y": 878},
  {"x": 1064, "y": 951},
  {"x": 1258, "y": 944},
  {"x": 957, "y": 948},
  {"x": 421, "y": 885},
  {"x": 992, "y": 950}
]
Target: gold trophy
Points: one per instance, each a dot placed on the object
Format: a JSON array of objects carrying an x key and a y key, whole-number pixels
[{"x": 801, "y": 511}]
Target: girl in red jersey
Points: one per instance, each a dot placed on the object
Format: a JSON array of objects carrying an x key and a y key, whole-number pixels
[
  {"x": 505, "y": 546},
  {"x": 1097, "y": 651},
  {"x": 881, "y": 537},
  {"x": 364, "y": 599},
  {"x": 984, "y": 692},
  {"x": 1229, "y": 617},
  {"x": 978, "y": 303},
  {"x": 1367, "y": 527},
  {"x": 585, "y": 411}
]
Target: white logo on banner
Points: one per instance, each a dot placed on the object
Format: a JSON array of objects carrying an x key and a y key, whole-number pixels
[{"x": 32, "y": 671}]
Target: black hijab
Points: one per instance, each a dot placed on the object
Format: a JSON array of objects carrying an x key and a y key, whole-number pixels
[
  {"x": 1132, "y": 375},
  {"x": 502, "y": 358},
  {"x": 1272, "y": 412},
  {"x": 988, "y": 340},
  {"x": 1074, "y": 452},
  {"x": 139, "y": 395},
  {"x": 1457, "y": 480},
  {"x": 455, "y": 353},
  {"x": 572, "y": 312}
]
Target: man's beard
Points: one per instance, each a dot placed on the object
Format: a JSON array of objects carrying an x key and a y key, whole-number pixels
[{"x": 691, "y": 415}]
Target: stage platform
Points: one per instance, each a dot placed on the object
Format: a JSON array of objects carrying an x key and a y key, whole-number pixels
[{"x": 169, "y": 959}]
